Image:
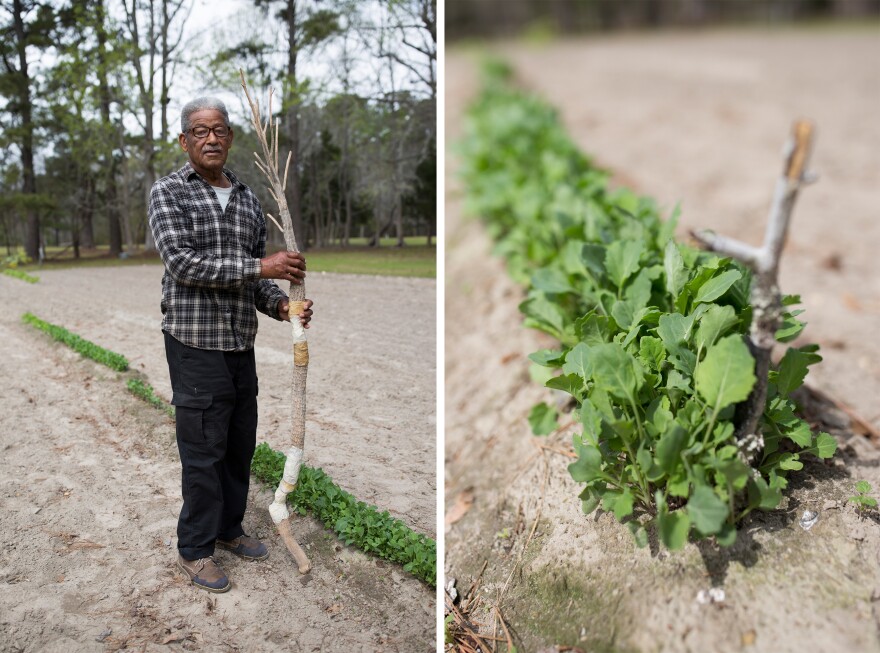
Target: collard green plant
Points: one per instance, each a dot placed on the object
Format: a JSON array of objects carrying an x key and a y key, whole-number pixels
[
  {"x": 145, "y": 391},
  {"x": 355, "y": 522},
  {"x": 650, "y": 333}
]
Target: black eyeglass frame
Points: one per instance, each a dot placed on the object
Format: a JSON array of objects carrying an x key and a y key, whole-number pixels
[{"x": 209, "y": 130}]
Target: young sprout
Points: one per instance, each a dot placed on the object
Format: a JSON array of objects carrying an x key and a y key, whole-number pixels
[{"x": 862, "y": 500}]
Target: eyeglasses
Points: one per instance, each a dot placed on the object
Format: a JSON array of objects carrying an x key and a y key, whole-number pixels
[{"x": 202, "y": 132}]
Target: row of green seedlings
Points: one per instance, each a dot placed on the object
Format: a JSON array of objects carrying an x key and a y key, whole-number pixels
[
  {"x": 20, "y": 274},
  {"x": 355, "y": 522},
  {"x": 651, "y": 333},
  {"x": 79, "y": 344}
]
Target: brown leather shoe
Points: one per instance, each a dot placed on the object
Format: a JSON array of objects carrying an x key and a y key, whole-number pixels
[
  {"x": 245, "y": 546},
  {"x": 205, "y": 574}
]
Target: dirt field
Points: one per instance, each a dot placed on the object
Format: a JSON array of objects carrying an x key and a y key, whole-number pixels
[
  {"x": 90, "y": 480},
  {"x": 698, "y": 119}
]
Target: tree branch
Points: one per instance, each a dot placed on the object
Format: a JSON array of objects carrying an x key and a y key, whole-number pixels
[{"x": 765, "y": 298}]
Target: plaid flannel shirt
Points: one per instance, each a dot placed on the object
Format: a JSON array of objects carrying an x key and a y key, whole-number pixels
[{"x": 212, "y": 279}]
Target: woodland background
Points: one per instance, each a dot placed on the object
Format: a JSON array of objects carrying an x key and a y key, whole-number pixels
[{"x": 90, "y": 97}]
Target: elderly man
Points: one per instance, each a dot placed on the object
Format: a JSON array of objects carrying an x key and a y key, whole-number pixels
[{"x": 211, "y": 233}]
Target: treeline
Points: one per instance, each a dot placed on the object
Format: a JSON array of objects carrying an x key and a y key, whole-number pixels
[
  {"x": 476, "y": 18},
  {"x": 91, "y": 91}
]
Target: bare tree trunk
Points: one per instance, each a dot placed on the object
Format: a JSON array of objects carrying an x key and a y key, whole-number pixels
[
  {"x": 29, "y": 181},
  {"x": 87, "y": 229},
  {"x": 159, "y": 44},
  {"x": 123, "y": 208},
  {"x": 110, "y": 193},
  {"x": 268, "y": 164}
]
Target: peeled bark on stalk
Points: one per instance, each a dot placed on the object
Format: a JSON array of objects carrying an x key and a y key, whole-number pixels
[
  {"x": 268, "y": 164},
  {"x": 765, "y": 297}
]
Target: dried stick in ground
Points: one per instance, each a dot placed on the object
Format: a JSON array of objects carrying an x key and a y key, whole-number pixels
[
  {"x": 764, "y": 262},
  {"x": 267, "y": 133}
]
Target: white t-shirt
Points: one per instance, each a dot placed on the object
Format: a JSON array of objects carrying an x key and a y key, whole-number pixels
[{"x": 223, "y": 195}]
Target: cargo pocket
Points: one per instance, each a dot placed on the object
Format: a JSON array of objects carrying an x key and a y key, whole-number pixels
[{"x": 190, "y": 411}]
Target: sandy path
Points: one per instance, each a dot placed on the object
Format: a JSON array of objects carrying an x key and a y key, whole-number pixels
[
  {"x": 89, "y": 478},
  {"x": 698, "y": 119}
]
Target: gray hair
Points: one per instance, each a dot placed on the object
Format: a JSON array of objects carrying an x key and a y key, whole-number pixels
[{"x": 200, "y": 104}]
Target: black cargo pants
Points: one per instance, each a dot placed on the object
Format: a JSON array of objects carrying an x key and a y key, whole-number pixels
[{"x": 215, "y": 395}]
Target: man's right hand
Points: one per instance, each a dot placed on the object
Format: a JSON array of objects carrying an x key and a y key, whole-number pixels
[{"x": 290, "y": 266}]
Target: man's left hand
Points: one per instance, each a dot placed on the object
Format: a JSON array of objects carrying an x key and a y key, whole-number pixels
[{"x": 304, "y": 317}]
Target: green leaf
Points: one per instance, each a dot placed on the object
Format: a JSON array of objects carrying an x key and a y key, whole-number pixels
[
  {"x": 579, "y": 361},
  {"x": 651, "y": 351},
  {"x": 726, "y": 376},
  {"x": 762, "y": 495},
  {"x": 639, "y": 533},
  {"x": 542, "y": 419},
  {"x": 791, "y": 327},
  {"x": 669, "y": 448},
  {"x": 792, "y": 370},
  {"x": 678, "y": 485},
  {"x": 595, "y": 329},
  {"x": 673, "y": 266},
  {"x": 824, "y": 447},
  {"x": 616, "y": 370},
  {"x": 589, "y": 504},
  {"x": 800, "y": 434},
  {"x": 588, "y": 466},
  {"x": 863, "y": 487},
  {"x": 717, "y": 286},
  {"x": 714, "y": 323},
  {"x": 592, "y": 422},
  {"x": 548, "y": 357},
  {"x": 593, "y": 257},
  {"x": 570, "y": 383},
  {"x": 674, "y": 329},
  {"x": 678, "y": 381},
  {"x": 544, "y": 315},
  {"x": 573, "y": 258},
  {"x": 622, "y": 312},
  {"x": 673, "y": 528},
  {"x": 622, "y": 260},
  {"x": 727, "y": 535},
  {"x": 638, "y": 292},
  {"x": 622, "y": 505},
  {"x": 789, "y": 462},
  {"x": 735, "y": 472},
  {"x": 551, "y": 280},
  {"x": 707, "y": 511}
]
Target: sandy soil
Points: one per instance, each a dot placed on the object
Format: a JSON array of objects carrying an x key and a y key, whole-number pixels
[
  {"x": 89, "y": 475},
  {"x": 697, "y": 119}
]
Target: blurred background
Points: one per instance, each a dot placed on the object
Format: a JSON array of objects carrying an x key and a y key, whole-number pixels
[
  {"x": 90, "y": 99},
  {"x": 478, "y": 18}
]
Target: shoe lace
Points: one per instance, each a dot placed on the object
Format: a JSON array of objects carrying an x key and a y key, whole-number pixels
[{"x": 201, "y": 562}]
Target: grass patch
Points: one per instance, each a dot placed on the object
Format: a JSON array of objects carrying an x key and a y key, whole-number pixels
[
  {"x": 355, "y": 522},
  {"x": 408, "y": 261},
  {"x": 413, "y": 260},
  {"x": 18, "y": 274},
  {"x": 84, "y": 347}
]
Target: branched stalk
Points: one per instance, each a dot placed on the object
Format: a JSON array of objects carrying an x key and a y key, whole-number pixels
[
  {"x": 764, "y": 262},
  {"x": 268, "y": 164}
]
